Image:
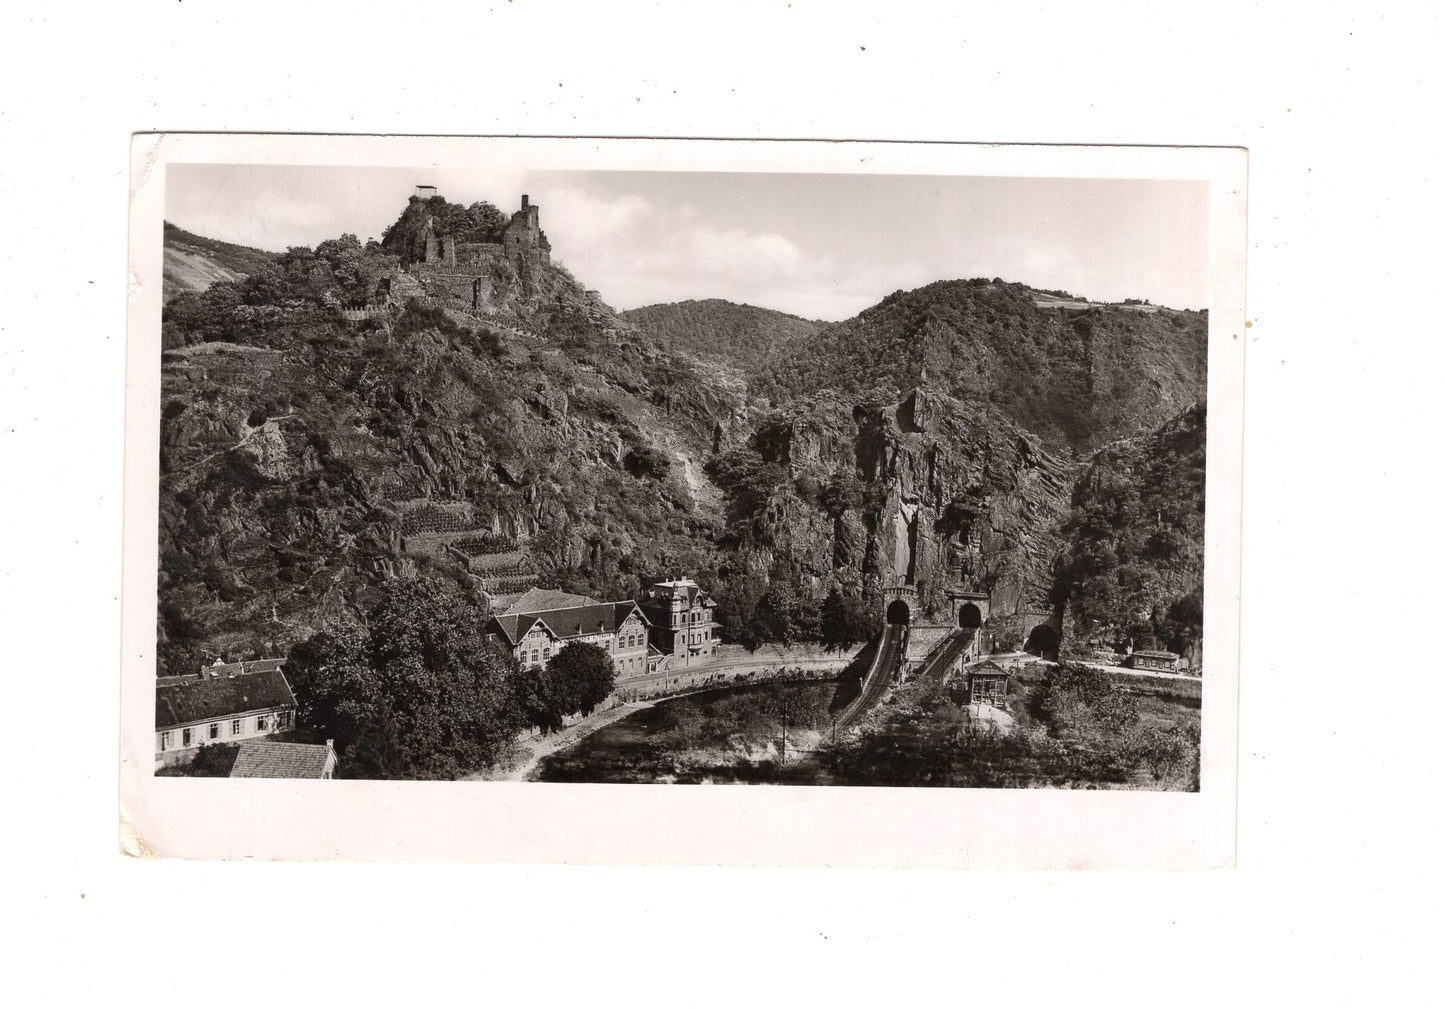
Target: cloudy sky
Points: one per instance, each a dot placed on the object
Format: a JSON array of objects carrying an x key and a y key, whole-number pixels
[{"x": 819, "y": 246}]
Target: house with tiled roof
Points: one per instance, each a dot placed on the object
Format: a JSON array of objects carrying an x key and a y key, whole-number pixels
[
  {"x": 220, "y": 668},
  {"x": 541, "y": 622},
  {"x": 267, "y": 758},
  {"x": 680, "y": 613},
  {"x": 220, "y": 707}
]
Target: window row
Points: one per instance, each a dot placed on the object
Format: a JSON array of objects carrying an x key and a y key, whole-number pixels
[
  {"x": 188, "y": 736},
  {"x": 540, "y": 656}
]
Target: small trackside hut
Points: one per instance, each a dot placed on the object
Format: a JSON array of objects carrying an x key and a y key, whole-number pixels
[{"x": 988, "y": 684}]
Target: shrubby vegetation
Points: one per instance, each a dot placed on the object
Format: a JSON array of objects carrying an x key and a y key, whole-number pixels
[
  {"x": 297, "y": 288},
  {"x": 240, "y": 259},
  {"x": 785, "y": 606},
  {"x": 414, "y": 692},
  {"x": 212, "y": 760},
  {"x": 741, "y": 335},
  {"x": 731, "y": 734},
  {"x": 1072, "y": 378},
  {"x": 480, "y": 222},
  {"x": 1135, "y": 566},
  {"x": 574, "y": 681},
  {"x": 1075, "y": 728}
]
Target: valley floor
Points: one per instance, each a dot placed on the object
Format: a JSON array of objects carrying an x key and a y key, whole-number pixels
[{"x": 531, "y": 752}]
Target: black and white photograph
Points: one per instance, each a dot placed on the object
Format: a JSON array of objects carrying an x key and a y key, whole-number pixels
[
  {"x": 854, "y": 503},
  {"x": 500, "y": 472}
]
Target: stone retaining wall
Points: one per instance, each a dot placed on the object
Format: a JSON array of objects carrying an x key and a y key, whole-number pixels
[{"x": 687, "y": 680}]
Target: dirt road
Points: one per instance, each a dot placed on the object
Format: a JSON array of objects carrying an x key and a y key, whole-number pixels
[{"x": 531, "y": 752}]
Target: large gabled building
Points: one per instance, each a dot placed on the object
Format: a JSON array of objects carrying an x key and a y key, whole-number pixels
[
  {"x": 680, "y": 613},
  {"x": 222, "y": 705},
  {"x": 541, "y": 622}
]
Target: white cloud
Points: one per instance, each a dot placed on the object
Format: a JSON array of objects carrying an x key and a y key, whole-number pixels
[
  {"x": 273, "y": 219},
  {"x": 636, "y": 254},
  {"x": 592, "y": 220}
]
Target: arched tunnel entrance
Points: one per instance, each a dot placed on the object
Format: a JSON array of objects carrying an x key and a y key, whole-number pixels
[
  {"x": 970, "y": 617},
  {"x": 1043, "y": 641},
  {"x": 897, "y": 612}
]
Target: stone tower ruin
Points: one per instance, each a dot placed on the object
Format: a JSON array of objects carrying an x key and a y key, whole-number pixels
[{"x": 524, "y": 240}]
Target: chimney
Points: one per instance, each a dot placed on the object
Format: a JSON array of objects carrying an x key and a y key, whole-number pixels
[
  {"x": 331, "y": 744},
  {"x": 526, "y": 201}
]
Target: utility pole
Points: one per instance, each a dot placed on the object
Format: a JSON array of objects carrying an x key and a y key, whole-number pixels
[
  {"x": 784, "y": 758},
  {"x": 785, "y": 732}
]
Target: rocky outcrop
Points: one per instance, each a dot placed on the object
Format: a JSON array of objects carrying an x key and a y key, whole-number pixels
[
  {"x": 945, "y": 495},
  {"x": 1076, "y": 379},
  {"x": 284, "y": 465}
]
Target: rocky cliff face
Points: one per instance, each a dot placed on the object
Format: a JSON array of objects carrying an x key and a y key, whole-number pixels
[
  {"x": 289, "y": 460},
  {"x": 928, "y": 491},
  {"x": 1077, "y": 379}
]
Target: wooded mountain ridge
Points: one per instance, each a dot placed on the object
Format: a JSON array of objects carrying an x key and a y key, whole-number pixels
[{"x": 782, "y": 462}]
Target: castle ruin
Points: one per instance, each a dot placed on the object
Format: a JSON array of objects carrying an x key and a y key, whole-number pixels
[{"x": 468, "y": 275}]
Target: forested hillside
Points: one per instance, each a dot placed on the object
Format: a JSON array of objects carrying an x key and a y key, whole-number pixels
[
  {"x": 293, "y": 441},
  {"x": 1135, "y": 567},
  {"x": 1077, "y": 379},
  {"x": 740, "y": 335},
  {"x": 193, "y": 263}
]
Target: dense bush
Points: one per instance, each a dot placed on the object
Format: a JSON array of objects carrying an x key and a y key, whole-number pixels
[
  {"x": 417, "y": 692},
  {"x": 212, "y": 760},
  {"x": 296, "y": 288},
  {"x": 647, "y": 461},
  {"x": 480, "y": 222},
  {"x": 1075, "y": 728},
  {"x": 574, "y": 681},
  {"x": 749, "y": 483}
]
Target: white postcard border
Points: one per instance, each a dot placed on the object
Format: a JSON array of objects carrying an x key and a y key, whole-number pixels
[{"x": 649, "y": 824}]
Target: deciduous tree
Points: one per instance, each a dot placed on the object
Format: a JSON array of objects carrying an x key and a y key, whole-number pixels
[{"x": 419, "y": 693}]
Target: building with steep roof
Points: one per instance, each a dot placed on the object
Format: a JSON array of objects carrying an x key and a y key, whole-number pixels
[
  {"x": 220, "y": 668},
  {"x": 680, "y": 614},
  {"x": 541, "y": 622},
  {"x": 267, "y": 758},
  {"x": 224, "y": 707}
]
